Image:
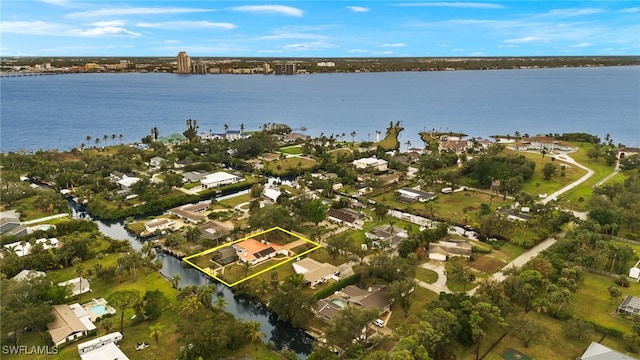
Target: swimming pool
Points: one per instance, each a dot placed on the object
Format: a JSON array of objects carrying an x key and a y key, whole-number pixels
[
  {"x": 339, "y": 302},
  {"x": 44, "y": 227},
  {"x": 99, "y": 309}
]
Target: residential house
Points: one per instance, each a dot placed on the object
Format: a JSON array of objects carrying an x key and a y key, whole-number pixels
[
  {"x": 347, "y": 217},
  {"x": 372, "y": 298},
  {"x": 214, "y": 230},
  {"x": 316, "y": 273},
  {"x": 271, "y": 193},
  {"x": 294, "y": 137},
  {"x": 12, "y": 226},
  {"x": 180, "y": 164},
  {"x": 629, "y": 306},
  {"x": 457, "y": 146},
  {"x": 78, "y": 285},
  {"x": 371, "y": 163},
  {"x": 127, "y": 182},
  {"x": 389, "y": 179},
  {"x": 71, "y": 322},
  {"x": 172, "y": 139},
  {"x": 218, "y": 179},
  {"x": 23, "y": 250},
  {"x": 539, "y": 143},
  {"x": 634, "y": 272},
  {"x": 412, "y": 195},
  {"x": 194, "y": 176},
  {"x": 597, "y": 351},
  {"x": 225, "y": 255},
  {"x": 192, "y": 213},
  {"x": 156, "y": 161},
  {"x": 255, "y": 252},
  {"x": 158, "y": 224},
  {"x": 387, "y": 236},
  {"x": 28, "y": 274},
  {"x": 444, "y": 249},
  {"x": 627, "y": 151}
]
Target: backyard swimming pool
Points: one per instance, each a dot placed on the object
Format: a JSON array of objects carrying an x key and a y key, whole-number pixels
[
  {"x": 339, "y": 302},
  {"x": 99, "y": 309}
]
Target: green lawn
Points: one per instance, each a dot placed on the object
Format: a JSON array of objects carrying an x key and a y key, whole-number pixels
[
  {"x": 426, "y": 275},
  {"x": 285, "y": 166},
  {"x": 292, "y": 150}
]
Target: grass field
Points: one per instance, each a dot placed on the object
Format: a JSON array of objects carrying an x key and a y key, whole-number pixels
[
  {"x": 285, "y": 166},
  {"x": 291, "y": 150}
]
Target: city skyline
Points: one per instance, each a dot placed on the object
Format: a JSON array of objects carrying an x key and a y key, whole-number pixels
[{"x": 319, "y": 29}]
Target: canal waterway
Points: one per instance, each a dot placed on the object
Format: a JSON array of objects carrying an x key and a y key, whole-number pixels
[{"x": 282, "y": 334}]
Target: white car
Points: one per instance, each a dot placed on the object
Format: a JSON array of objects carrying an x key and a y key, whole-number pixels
[{"x": 378, "y": 322}]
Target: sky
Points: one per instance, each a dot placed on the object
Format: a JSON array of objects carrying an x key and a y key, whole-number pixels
[{"x": 322, "y": 29}]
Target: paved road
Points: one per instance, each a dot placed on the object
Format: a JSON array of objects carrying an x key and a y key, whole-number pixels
[{"x": 563, "y": 156}]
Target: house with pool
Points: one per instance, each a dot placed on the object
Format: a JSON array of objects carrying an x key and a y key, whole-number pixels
[{"x": 372, "y": 298}]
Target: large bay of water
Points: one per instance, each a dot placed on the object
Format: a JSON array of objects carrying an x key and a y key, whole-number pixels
[{"x": 59, "y": 112}]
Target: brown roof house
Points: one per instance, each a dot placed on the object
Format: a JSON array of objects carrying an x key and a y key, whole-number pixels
[
  {"x": 255, "y": 252},
  {"x": 348, "y": 217},
  {"x": 316, "y": 273},
  {"x": 372, "y": 298},
  {"x": 71, "y": 323},
  {"x": 444, "y": 249}
]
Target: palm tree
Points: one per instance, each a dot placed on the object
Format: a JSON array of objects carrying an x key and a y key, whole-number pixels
[
  {"x": 79, "y": 268},
  {"x": 120, "y": 137},
  {"x": 175, "y": 280},
  {"x": 221, "y": 303},
  {"x": 105, "y": 137},
  {"x": 155, "y": 331},
  {"x": 97, "y": 140},
  {"x": 255, "y": 335},
  {"x": 241, "y": 128},
  {"x": 88, "y": 138},
  {"x": 205, "y": 293},
  {"x": 113, "y": 139},
  {"x": 226, "y": 127},
  {"x": 408, "y": 143},
  {"x": 353, "y": 137}
]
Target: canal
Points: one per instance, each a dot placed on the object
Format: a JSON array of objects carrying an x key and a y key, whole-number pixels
[{"x": 281, "y": 334}]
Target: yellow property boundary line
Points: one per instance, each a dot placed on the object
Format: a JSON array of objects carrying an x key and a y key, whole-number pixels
[{"x": 208, "y": 251}]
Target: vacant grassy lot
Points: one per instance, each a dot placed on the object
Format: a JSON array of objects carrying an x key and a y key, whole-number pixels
[{"x": 288, "y": 165}]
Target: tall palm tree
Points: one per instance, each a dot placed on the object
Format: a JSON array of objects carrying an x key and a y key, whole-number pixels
[
  {"x": 88, "y": 138},
  {"x": 175, "y": 280},
  {"x": 120, "y": 137},
  {"x": 353, "y": 137},
  {"x": 105, "y": 137},
  {"x": 255, "y": 335},
  {"x": 205, "y": 293},
  {"x": 113, "y": 139}
]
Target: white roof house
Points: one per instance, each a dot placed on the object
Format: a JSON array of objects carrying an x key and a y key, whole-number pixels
[
  {"x": 272, "y": 194},
  {"x": 78, "y": 285},
  {"x": 371, "y": 163},
  {"x": 128, "y": 181},
  {"x": 634, "y": 272},
  {"x": 28, "y": 274},
  {"x": 21, "y": 250},
  {"x": 314, "y": 272},
  {"x": 218, "y": 179},
  {"x": 597, "y": 351},
  {"x": 108, "y": 351}
]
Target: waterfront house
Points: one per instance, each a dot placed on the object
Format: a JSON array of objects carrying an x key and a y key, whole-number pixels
[
  {"x": 255, "y": 252},
  {"x": 158, "y": 224},
  {"x": 23, "y": 250},
  {"x": 314, "y": 272},
  {"x": 457, "y": 146},
  {"x": 225, "y": 255},
  {"x": 214, "y": 230},
  {"x": 191, "y": 213},
  {"x": 540, "y": 143},
  {"x": 71, "y": 323},
  {"x": 271, "y": 194}
]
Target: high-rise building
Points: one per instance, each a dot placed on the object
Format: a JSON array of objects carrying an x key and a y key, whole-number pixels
[
  {"x": 288, "y": 68},
  {"x": 184, "y": 63}
]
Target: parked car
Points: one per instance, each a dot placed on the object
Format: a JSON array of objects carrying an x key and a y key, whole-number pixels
[{"x": 378, "y": 323}]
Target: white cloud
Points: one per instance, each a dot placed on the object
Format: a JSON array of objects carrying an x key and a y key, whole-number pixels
[
  {"x": 136, "y": 11},
  {"x": 63, "y": 3},
  {"x": 630, "y": 10},
  {"x": 467, "y": 5},
  {"x": 315, "y": 45},
  {"x": 478, "y": 53},
  {"x": 279, "y": 36},
  {"x": 388, "y": 52},
  {"x": 358, "y": 8},
  {"x": 358, "y": 51},
  {"x": 277, "y": 9},
  {"x": 523, "y": 40},
  {"x": 581, "y": 45},
  {"x": 187, "y": 25},
  {"x": 396, "y": 45},
  {"x": 270, "y": 51},
  {"x": 572, "y": 12},
  {"x": 104, "y": 28},
  {"x": 31, "y": 28}
]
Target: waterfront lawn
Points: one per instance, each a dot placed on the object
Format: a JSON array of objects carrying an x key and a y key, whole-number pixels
[
  {"x": 235, "y": 200},
  {"x": 390, "y": 142}
]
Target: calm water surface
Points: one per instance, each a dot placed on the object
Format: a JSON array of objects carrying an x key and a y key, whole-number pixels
[{"x": 59, "y": 112}]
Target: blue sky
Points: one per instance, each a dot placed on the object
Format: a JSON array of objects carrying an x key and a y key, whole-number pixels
[{"x": 318, "y": 28}]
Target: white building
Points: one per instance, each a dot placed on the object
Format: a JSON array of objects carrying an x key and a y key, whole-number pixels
[
  {"x": 218, "y": 179},
  {"x": 371, "y": 163},
  {"x": 23, "y": 250},
  {"x": 316, "y": 273},
  {"x": 78, "y": 285},
  {"x": 127, "y": 182},
  {"x": 97, "y": 343},
  {"x": 158, "y": 224}
]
